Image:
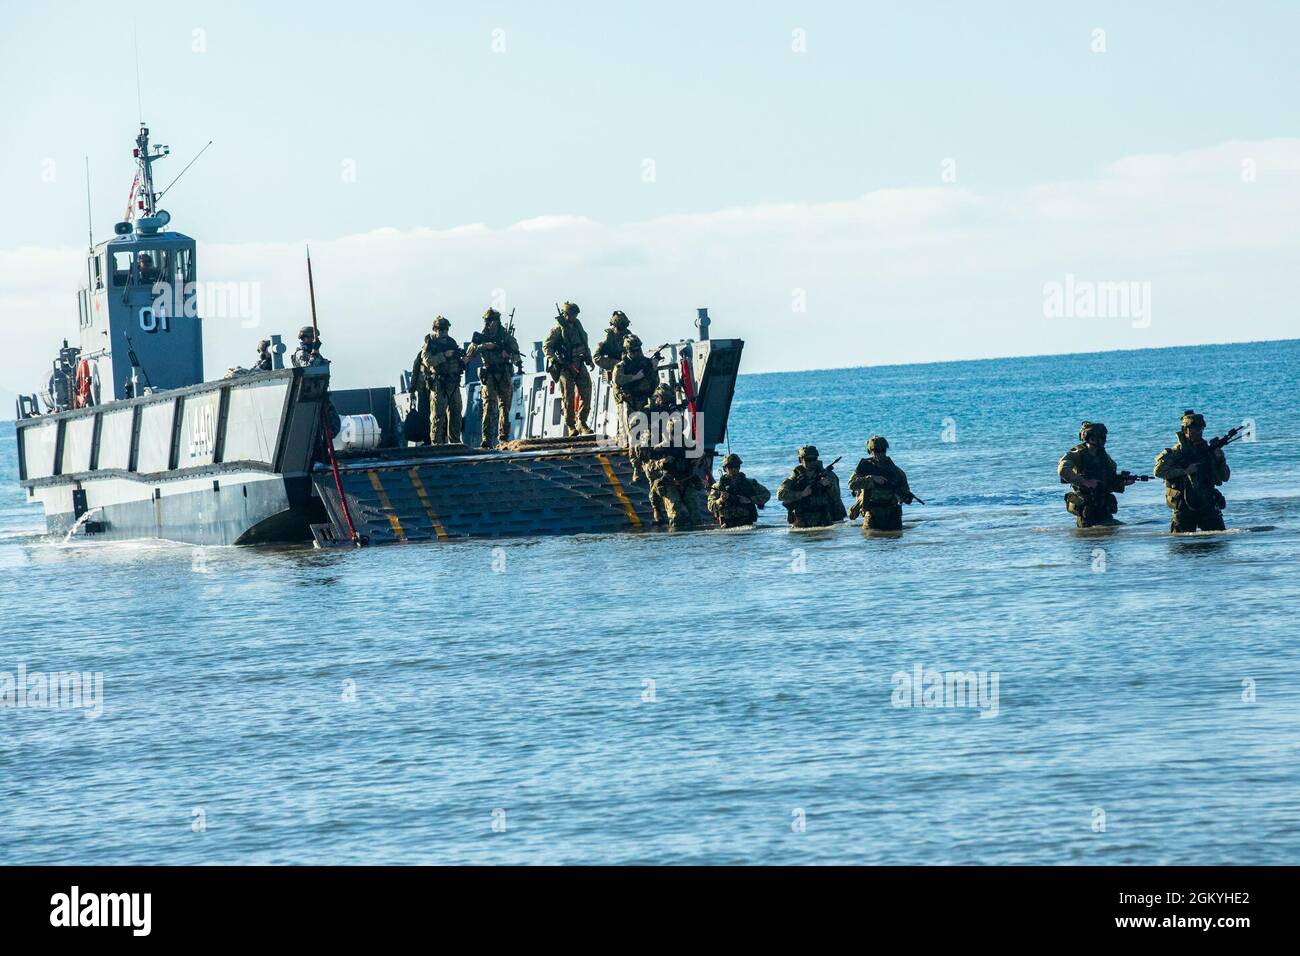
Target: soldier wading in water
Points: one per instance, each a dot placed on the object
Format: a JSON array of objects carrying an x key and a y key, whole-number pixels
[
  {"x": 674, "y": 476},
  {"x": 811, "y": 494},
  {"x": 735, "y": 499},
  {"x": 1192, "y": 471},
  {"x": 881, "y": 489},
  {"x": 1094, "y": 477}
]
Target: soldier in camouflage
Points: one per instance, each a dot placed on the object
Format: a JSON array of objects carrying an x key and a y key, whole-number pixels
[
  {"x": 735, "y": 499},
  {"x": 1192, "y": 472},
  {"x": 1094, "y": 478},
  {"x": 499, "y": 352},
  {"x": 308, "y": 351},
  {"x": 610, "y": 349},
  {"x": 568, "y": 358},
  {"x": 634, "y": 378},
  {"x": 811, "y": 494},
  {"x": 443, "y": 362},
  {"x": 675, "y": 483},
  {"x": 265, "y": 358},
  {"x": 880, "y": 487}
]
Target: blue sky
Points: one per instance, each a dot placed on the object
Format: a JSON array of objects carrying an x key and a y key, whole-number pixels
[{"x": 444, "y": 133}]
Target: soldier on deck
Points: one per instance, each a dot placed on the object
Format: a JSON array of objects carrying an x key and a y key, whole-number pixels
[
  {"x": 308, "y": 351},
  {"x": 568, "y": 358},
  {"x": 265, "y": 360},
  {"x": 735, "y": 499},
  {"x": 610, "y": 350},
  {"x": 1094, "y": 478},
  {"x": 1192, "y": 472},
  {"x": 634, "y": 378},
  {"x": 443, "y": 362},
  {"x": 811, "y": 494},
  {"x": 880, "y": 487},
  {"x": 499, "y": 352}
]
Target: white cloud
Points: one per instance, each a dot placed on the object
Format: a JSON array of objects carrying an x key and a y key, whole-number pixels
[{"x": 897, "y": 275}]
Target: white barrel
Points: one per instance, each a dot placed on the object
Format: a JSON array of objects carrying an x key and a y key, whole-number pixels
[{"x": 357, "y": 432}]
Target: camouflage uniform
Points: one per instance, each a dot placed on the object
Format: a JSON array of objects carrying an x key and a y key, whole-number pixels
[
  {"x": 881, "y": 489},
  {"x": 498, "y": 351},
  {"x": 675, "y": 483},
  {"x": 610, "y": 349},
  {"x": 1089, "y": 460},
  {"x": 821, "y": 508},
  {"x": 308, "y": 351},
  {"x": 735, "y": 499},
  {"x": 1192, "y": 471},
  {"x": 442, "y": 376},
  {"x": 265, "y": 361},
  {"x": 568, "y": 357},
  {"x": 634, "y": 378}
]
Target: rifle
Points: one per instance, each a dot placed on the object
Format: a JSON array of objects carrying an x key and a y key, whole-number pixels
[
  {"x": 1124, "y": 476},
  {"x": 809, "y": 478},
  {"x": 1233, "y": 435},
  {"x": 510, "y": 331}
]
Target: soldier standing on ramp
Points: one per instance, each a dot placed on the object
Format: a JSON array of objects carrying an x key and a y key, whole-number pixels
[
  {"x": 444, "y": 361},
  {"x": 635, "y": 377},
  {"x": 880, "y": 487},
  {"x": 610, "y": 350},
  {"x": 1192, "y": 471},
  {"x": 568, "y": 357},
  {"x": 735, "y": 499},
  {"x": 811, "y": 494},
  {"x": 1094, "y": 477},
  {"x": 498, "y": 351}
]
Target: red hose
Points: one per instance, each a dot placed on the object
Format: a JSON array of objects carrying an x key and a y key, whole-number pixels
[{"x": 334, "y": 464}]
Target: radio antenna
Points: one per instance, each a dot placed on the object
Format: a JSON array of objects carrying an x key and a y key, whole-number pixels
[
  {"x": 135, "y": 39},
  {"x": 90, "y": 225},
  {"x": 185, "y": 170}
]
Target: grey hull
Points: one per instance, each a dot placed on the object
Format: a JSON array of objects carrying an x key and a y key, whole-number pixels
[{"x": 228, "y": 511}]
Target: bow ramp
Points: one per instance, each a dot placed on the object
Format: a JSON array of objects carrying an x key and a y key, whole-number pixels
[{"x": 573, "y": 486}]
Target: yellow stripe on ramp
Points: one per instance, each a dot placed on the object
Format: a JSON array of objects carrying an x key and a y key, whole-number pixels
[
  {"x": 614, "y": 483},
  {"x": 418, "y": 485},
  {"x": 387, "y": 503}
]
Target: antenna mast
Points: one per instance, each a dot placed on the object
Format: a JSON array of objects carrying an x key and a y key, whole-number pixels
[{"x": 90, "y": 225}]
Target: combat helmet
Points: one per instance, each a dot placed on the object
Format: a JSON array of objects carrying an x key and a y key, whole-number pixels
[
  {"x": 631, "y": 343},
  {"x": 491, "y": 315},
  {"x": 877, "y": 441},
  {"x": 619, "y": 320},
  {"x": 263, "y": 344},
  {"x": 441, "y": 323},
  {"x": 808, "y": 453},
  {"x": 1192, "y": 419},
  {"x": 732, "y": 461},
  {"x": 1095, "y": 429},
  {"x": 570, "y": 309},
  {"x": 306, "y": 332},
  {"x": 664, "y": 394}
]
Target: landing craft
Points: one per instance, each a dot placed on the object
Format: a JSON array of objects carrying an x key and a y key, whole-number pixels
[{"x": 127, "y": 440}]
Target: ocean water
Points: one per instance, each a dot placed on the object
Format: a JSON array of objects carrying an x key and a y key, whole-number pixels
[{"x": 719, "y": 697}]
